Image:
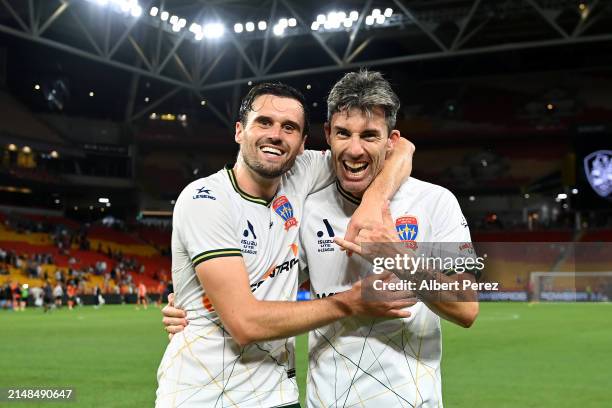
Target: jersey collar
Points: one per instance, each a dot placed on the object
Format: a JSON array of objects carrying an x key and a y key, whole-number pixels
[
  {"x": 346, "y": 195},
  {"x": 258, "y": 200}
]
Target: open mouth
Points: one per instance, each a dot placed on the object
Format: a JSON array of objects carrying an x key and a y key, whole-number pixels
[
  {"x": 355, "y": 168},
  {"x": 272, "y": 151}
]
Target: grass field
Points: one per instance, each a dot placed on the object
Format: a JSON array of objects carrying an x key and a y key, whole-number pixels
[{"x": 516, "y": 355}]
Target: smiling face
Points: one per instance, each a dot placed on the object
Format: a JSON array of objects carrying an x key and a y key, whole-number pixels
[
  {"x": 359, "y": 144},
  {"x": 272, "y": 136}
]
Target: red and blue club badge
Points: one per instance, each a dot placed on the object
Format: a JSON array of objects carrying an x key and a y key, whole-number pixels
[
  {"x": 407, "y": 228},
  {"x": 283, "y": 208}
]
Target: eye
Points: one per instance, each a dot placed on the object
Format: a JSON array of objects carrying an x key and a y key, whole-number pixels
[
  {"x": 264, "y": 121},
  {"x": 288, "y": 127},
  {"x": 342, "y": 133}
]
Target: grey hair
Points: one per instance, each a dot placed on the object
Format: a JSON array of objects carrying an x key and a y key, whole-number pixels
[{"x": 364, "y": 90}]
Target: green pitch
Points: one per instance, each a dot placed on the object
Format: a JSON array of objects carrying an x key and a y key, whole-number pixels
[{"x": 516, "y": 355}]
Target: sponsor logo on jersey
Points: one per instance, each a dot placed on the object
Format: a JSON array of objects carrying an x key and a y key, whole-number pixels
[
  {"x": 249, "y": 242},
  {"x": 203, "y": 193},
  {"x": 407, "y": 228},
  {"x": 598, "y": 171},
  {"x": 324, "y": 295},
  {"x": 284, "y": 209},
  {"x": 326, "y": 238},
  {"x": 207, "y": 304},
  {"x": 274, "y": 271}
]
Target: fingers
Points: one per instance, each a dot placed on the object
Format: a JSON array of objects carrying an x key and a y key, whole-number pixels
[
  {"x": 174, "y": 321},
  {"x": 170, "y": 311},
  {"x": 399, "y": 313},
  {"x": 351, "y": 232},
  {"x": 347, "y": 245},
  {"x": 174, "y": 329},
  {"x": 171, "y": 299}
]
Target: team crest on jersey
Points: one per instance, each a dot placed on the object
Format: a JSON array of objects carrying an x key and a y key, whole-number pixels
[
  {"x": 598, "y": 170},
  {"x": 284, "y": 209},
  {"x": 203, "y": 192},
  {"x": 407, "y": 228}
]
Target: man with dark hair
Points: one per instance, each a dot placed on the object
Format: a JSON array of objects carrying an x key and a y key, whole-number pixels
[{"x": 235, "y": 255}]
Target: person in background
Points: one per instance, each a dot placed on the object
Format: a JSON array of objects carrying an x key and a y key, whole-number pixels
[
  {"x": 58, "y": 294},
  {"x": 47, "y": 296},
  {"x": 142, "y": 296}
]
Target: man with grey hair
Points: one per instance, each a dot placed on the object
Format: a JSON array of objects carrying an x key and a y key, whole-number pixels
[{"x": 360, "y": 361}]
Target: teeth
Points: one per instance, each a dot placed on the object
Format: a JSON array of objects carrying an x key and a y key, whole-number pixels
[
  {"x": 271, "y": 150},
  {"x": 355, "y": 166}
]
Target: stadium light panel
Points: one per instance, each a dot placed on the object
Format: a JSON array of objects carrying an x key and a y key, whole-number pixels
[
  {"x": 91, "y": 94},
  {"x": 369, "y": 20},
  {"x": 182, "y": 23},
  {"x": 37, "y": 87},
  {"x": 283, "y": 23},
  {"x": 213, "y": 30},
  {"x": 341, "y": 15},
  {"x": 203, "y": 103},
  {"x": 176, "y": 28},
  {"x": 125, "y": 6},
  {"x": 108, "y": 204},
  {"x": 164, "y": 16},
  {"x": 174, "y": 20},
  {"x": 292, "y": 22},
  {"x": 146, "y": 99},
  {"x": 238, "y": 28},
  {"x": 388, "y": 12},
  {"x": 376, "y": 13},
  {"x": 380, "y": 19},
  {"x": 347, "y": 23},
  {"x": 526, "y": 195},
  {"x": 321, "y": 19},
  {"x": 278, "y": 30},
  {"x": 250, "y": 26},
  {"x": 136, "y": 11},
  {"x": 472, "y": 198},
  {"x": 54, "y": 154},
  {"x": 26, "y": 149},
  {"x": 354, "y": 15},
  {"x": 102, "y": 3},
  {"x": 574, "y": 191},
  {"x": 328, "y": 25},
  {"x": 195, "y": 28},
  {"x": 57, "y": 201},
  {"x": 103, "y": 200},
  {"x": 314, "y": 26},
  {"x": 12, "y": 147},
  {"x": 154, "y": 11},
  {"x": 561, "y": 196},
  {"x": 262, "y": 25}
]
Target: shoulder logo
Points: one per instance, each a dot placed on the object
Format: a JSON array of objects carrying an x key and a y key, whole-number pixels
[
  {"x": 407, "y": 228},
  {"x": 249, "y": 243},
  {"x": 284, "y": 209},
  {"x": 598, "y": 171},
  {"x": 325, "y": 243},
  {"x": 203, "y": 192}
]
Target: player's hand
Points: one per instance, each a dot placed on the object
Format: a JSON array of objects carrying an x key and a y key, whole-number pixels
[
  {"x": 379, "y": 237},
  {"x": 372, "y": 302},
  {"x": 367, "y": 214},
  {"x": 174, "y": 319}
]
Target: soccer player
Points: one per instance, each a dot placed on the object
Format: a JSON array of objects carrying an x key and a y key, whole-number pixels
[
  {"x": 71, "y": 291},
  {"x": 374, "y": 362},
  {"x": 235, "y": 255},
  {"x": 142, "y": 296}
]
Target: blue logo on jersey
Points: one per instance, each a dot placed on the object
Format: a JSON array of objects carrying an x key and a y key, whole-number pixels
[
  {"x": 283, "y": 207},
  {"x": 407, "y": 228},
  {"x": 203, "y": 193}
]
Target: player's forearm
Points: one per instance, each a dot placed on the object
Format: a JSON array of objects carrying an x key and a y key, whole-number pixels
[
  {"x": 458, "y": 306},
  {"x": 270, "y": 320},
  {"x": 396, "y": 170}
]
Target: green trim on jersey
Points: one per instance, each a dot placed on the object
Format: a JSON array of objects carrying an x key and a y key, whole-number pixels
[
  {"x": 348, "y": 196},
  {"x": 248, "y": 197},
  {"x": 215, "y": 253}
]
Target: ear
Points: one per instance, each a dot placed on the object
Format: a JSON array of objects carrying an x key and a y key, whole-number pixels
[
  {"x": 394, "y": 136},
  {"x": 302, "y": 145},
  {"x": 327, "y": 130},
  {"x": 238, "y": 134}
]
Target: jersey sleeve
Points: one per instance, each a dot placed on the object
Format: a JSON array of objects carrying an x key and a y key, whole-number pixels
[
  {"x": 450, "y": 224},
  {"x": 315, "y": 169},
  {"x": 204, "y": 224}
]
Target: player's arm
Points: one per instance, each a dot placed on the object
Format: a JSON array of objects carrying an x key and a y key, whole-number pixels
[
  {"x": 397, "y": 169},
  {"x": 250, "y": 320}
]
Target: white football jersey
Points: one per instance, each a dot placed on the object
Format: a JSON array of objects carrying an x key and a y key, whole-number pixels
[
  {"x": 203, "y": 366},
  {"x": 366, "y": 362}
]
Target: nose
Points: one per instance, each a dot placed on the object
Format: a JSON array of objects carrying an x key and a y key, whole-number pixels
[{"x": 355, "y": 148}]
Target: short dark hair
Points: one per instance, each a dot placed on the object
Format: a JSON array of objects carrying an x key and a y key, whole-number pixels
[
  {"x": 364, "y": 90},
  {"x": 276, "y": 89}
]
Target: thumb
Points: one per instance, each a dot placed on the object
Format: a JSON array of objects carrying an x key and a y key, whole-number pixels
[{"x": 351, "y": 232}]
